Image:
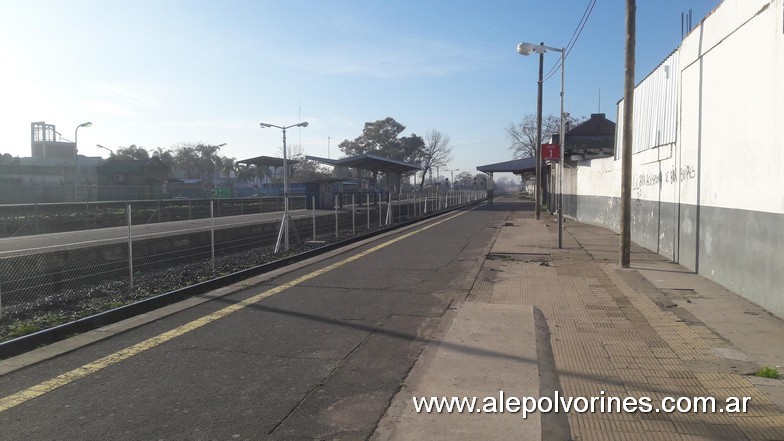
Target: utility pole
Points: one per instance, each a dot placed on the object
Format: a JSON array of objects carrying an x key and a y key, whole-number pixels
[
  {"x": 539, "y": 138},
  {"x": 628, "y": 107}
]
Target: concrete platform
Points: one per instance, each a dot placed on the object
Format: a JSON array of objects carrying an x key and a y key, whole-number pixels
[{"x": 488, "y": 350}]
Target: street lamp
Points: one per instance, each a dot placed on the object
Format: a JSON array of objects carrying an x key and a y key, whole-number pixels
[
  {"x": 452, "y": 175},
  {"x": 284, "y": 225},
  {"x": 528, "y": 49},
  {"x": 215, "y": 171},
  {"x": 111, "y": 152},
  {"x": 76, "y": 156}
]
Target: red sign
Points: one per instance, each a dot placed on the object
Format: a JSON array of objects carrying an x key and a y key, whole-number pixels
[{"x": 551, "y": 152}]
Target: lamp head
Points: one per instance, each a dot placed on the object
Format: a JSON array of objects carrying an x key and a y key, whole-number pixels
[
  {"x": 302, "y": 124},
  {"x": 525, "y": 48},
  {"x": 87, "y": 124},
  {"x": 264, "y": 125}
]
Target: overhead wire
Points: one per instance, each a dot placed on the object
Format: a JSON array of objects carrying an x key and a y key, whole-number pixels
[{"x": 575, "y": 36}]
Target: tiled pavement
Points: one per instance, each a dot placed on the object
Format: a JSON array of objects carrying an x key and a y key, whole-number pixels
[{"x": 609, "y": 337}]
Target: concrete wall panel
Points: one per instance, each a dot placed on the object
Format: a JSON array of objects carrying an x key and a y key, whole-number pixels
[{"x": 711, "y": 197}]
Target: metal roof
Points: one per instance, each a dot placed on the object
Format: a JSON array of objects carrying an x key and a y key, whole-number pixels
[
  {"x": 370, "y": 162},
  {"x": 516, "y": 166},
  {"x": 266, "y": 161}
]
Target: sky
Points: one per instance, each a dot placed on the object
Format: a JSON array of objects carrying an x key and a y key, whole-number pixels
[{"x": 165, "y": 72}]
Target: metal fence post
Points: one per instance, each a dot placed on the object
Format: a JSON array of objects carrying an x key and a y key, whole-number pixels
[
  {"x": 1, "y": 302},
  {"x": 367, "y": 208},
  {"x": 389, "y": 210},
  {"x": 314, "y": 218},
  {"x": 130, "y": 245},
  {"x": 212, "y": 236},
  {"x": 336, "y": 215},
  {"x": 36, "y": 218},
  {"x": 353, "y": 217},
  {"x": 379, "y": 209}
]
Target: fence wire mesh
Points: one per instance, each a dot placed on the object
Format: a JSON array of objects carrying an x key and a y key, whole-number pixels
[{"x": 84, "y": 262}]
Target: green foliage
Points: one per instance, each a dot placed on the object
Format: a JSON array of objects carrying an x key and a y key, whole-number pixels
[
  {"x": 21, "y": 329},
  {"x": 382, "y": 138},
  {"x": 767, "y": 372},
  {"x": 131, "y": 152}
]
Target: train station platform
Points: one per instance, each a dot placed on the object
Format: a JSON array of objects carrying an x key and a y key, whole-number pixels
[{"x": 476, "y": 303}]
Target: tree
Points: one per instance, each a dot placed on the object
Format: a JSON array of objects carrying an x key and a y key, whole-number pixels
[
  {"x": 132, "y": 152},
  {"x": 436, "y": 152},
  {"x": 228, "y": 165},
  {"x": 524, "y": 134},
  {"x": 187, "y": 159},
  {"x": 166, "y": 156},
  {"x": 378, "y": 136},
  {"x": 464, "y": 180},
  {"x": 382, "y": 138},
  {"x": 246, "y": 173},
  {"x": 209, "y": 162}
]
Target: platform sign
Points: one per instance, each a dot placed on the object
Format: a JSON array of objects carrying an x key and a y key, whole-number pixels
[{"x": 551, "y": 152}]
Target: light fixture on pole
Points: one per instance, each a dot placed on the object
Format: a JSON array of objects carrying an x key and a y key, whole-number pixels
[
  {"x": 111, "y": 152},
  {"x": 215, "y": 171},
  {"x": 528, "y": 49},
  {"x": 284, "y": 224},
  {"x": 452, "y": 175},
  {"x": 76, "y": 157}
]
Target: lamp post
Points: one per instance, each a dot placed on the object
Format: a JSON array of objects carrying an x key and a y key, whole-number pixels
[
  {"x": 452, "y": 176},
  {"x": 215, "y": 171},
  {"x": 76, "y": 157},
  {"x": 528, "y": 49},
  {"x": 284, "y": 225},
  {"x": 111, "y": 152}
]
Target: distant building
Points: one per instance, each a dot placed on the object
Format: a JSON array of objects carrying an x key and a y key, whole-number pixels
[
  {"x": 46, "y": 142},
  {"x": 126, "y": 179},
  {"x": 46, "y": 179},
  {"x": 593, "y": 138}
]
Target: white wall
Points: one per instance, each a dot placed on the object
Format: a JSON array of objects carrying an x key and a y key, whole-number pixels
[{"x": 708, "y": 163}]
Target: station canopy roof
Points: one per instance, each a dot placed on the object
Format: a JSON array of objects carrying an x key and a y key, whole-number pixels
[
  {"x": 516, "y": 166},
  {"x": 266, "y": 161},
  {"x": 370, "y": 162}
]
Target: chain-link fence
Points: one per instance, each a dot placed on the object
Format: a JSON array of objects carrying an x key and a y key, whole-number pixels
[
  {"x": 29, "y": 219},
  {"x": 48, "y": 279}
]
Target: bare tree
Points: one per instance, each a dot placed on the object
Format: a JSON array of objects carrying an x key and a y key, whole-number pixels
[
  {"x": 524, "y": 134},
  {"x": 436, "y": 153}
]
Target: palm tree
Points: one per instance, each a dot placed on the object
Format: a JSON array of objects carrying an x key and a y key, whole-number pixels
[
  {"x": 187, "y": 159},
  {"x": 132, "y": 152},
  {"x": 209, "y": 161},
  {"x": 228, "y": 165},
  {"x": 166, "y": 156},
  {"x": 246, "y": 173}
]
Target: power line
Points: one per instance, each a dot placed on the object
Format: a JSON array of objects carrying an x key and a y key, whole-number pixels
[
  {"x": 477, "y": 143},
  {"x": 575, "y": 36}
]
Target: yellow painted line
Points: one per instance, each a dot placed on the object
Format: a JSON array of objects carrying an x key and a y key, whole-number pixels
[{"x": 124, "y": 354}]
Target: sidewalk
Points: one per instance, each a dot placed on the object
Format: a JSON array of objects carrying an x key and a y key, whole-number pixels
[{"x": 654, "y": 330}]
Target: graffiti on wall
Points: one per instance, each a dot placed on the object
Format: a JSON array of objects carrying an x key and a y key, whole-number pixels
[{"x": 684, "y": 174}]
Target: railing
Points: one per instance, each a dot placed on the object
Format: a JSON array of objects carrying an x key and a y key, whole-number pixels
[
  {"x": 30, "y": 219},
  {"x": 45, "y": 285}
]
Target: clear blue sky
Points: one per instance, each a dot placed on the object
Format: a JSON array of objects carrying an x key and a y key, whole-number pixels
[{"x": 157, "y": 73}]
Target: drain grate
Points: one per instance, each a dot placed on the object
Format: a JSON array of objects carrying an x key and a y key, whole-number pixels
[{"x": 520, "y": 257}]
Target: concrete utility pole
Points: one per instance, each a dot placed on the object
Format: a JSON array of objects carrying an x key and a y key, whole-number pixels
[
  {"x": 539, "y": 137},
  {"x": 628, "y": 114}
]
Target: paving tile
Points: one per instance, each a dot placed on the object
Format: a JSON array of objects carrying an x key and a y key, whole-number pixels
[{"x": 606, "y": 336}]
